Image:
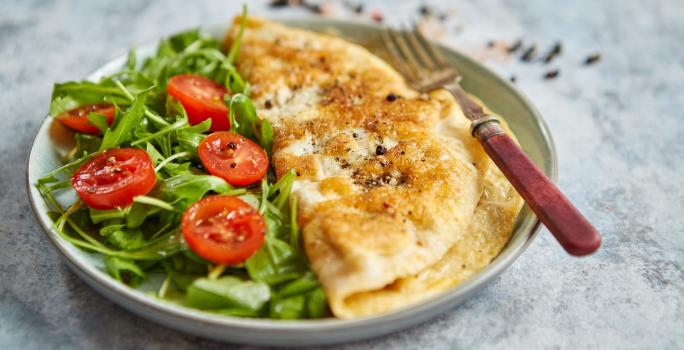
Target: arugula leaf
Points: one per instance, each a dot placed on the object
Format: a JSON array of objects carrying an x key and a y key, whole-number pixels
[
  {"x": 227, "y": 292},
  {"x": 288, "y": 308},
  {"x": 300, "y": 286},
  {"x": 244, "y": 114},
  {"x": 179, "y": 124},
  {"x": 244, "y": 121},
  {"x": 126, "y": 239},
  {"x": 275, "y": 262},
  {"x": 317, "y": 303},
  {"x": 181, "y": 41},
  {"x": 265, "y": 137},
  {"x": 307, "y": 299},
  {"x": 234, "y": 81},
  {"x": 123, "y": 127},
  {"x": 156, "y": 249},
  {"x": 131, "y": 60},
  {"x": 174, "y": 107},
  {"x": 174, "y": 169},
  {"x": 98, "y": 120},
  {"x": 98, "y": 216},
  {"x": 235, "y": 46},
  {"x": 137, "y": 214},
  {"x": 153, "y": 153},
  {"x": 86, "y": 143},
  {"x": 189, "y": 138},
  {"x": 185, "y": 189},
  {"x": 125, "y": 271}
]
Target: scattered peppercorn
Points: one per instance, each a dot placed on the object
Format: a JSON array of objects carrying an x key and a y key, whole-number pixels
[
  {"x": 515, "y": 46},
  {"x": 529, "y": 54},
  {"x": 591, "y": 59},
  {"x": 233, "y": 165},
  {"x": 232, "y": 145},
  {"x": 555, "y": 51},
  {"x": 425, "y": 10},
  {"x": 513, "y": 79},
  {"x": 355, "y": 135},
  {"x": 358, "y": 8},
  {"x": 391, "y": 97},
  {"x": 279, "y": 3},
  {"x": 314, "y": 8},
  {"x": 380, "y": 150},
  {"x": 552, "y": 74},
  {"x": 268, "y": 104}
]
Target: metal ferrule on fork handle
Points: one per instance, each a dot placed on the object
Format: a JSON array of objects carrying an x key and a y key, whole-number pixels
[{"x": 486, "y": 127}]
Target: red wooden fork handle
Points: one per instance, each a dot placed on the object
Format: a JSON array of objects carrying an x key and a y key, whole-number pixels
[{"x": 572, "y": 230}]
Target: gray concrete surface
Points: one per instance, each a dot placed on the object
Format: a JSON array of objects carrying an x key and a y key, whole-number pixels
[{"x": 618, "y": 126}]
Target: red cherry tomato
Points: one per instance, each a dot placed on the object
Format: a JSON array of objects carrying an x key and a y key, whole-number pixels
[
  {"x": 234, "y": 158},
  {"x": 77, "y": 119},
  {"x": 202, "y": 99},
  {"x": 223, "y": 229},
  {"x": 112, "y": 179}
]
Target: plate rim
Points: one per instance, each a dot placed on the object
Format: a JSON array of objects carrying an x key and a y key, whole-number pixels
[{"x": 155, "y": 309}]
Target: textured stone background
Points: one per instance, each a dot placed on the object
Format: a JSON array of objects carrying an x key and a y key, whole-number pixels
[{"x": 618, "y": 126}]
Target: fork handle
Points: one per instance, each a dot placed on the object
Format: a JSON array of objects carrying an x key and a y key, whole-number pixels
[{"x": 571, "y": 229}]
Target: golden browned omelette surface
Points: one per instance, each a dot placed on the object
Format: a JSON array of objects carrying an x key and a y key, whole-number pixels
[{"x": 397, "y": 202}]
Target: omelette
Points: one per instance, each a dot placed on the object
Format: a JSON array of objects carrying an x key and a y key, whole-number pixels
[{"x": 397, "y": 201}]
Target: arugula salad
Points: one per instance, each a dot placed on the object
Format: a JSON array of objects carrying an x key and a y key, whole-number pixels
[{"x": 172, "y": 176}]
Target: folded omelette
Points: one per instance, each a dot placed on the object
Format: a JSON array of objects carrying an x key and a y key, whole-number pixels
[{"x": 397, "y": 202}]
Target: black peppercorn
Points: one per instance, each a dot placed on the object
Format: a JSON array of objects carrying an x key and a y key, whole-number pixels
[
  {"x": 552, "y": 74},
  {"x": 555, "y": 51},
  {"x": 529, "y": 54},
  {"x": 515, "y": 46},
  {"x": 593, "y": 58}
]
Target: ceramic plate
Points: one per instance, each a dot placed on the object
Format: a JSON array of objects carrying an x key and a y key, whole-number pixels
[{"x": 497, "y": 93}]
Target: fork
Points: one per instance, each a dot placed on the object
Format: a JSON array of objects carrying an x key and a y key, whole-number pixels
[{"x": 426, "y": 68}]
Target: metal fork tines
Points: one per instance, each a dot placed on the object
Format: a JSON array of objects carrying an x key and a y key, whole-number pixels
[{"x": 424, "y": 66}]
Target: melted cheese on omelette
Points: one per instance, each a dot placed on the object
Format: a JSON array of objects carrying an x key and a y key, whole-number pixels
[{"x": 397, "y": 201}]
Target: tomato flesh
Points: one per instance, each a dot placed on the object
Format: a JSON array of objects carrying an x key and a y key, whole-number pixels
[
  {"x": 202, "y": 99},
  {"x": 233, "y": 157},
  {"x": 112, "y": 179},
  {"x": 223, "y": 229},
  {"x": 77, "y": 119}
]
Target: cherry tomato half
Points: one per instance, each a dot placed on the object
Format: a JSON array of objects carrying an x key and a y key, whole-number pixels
[
  {"x": 233, "y": 157},
  {"x": 202, "y": 98},
  {"x": 223, "y": 229},
  {"x": 77, "y": 118},
  {"x": 112, "y": 179}
]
